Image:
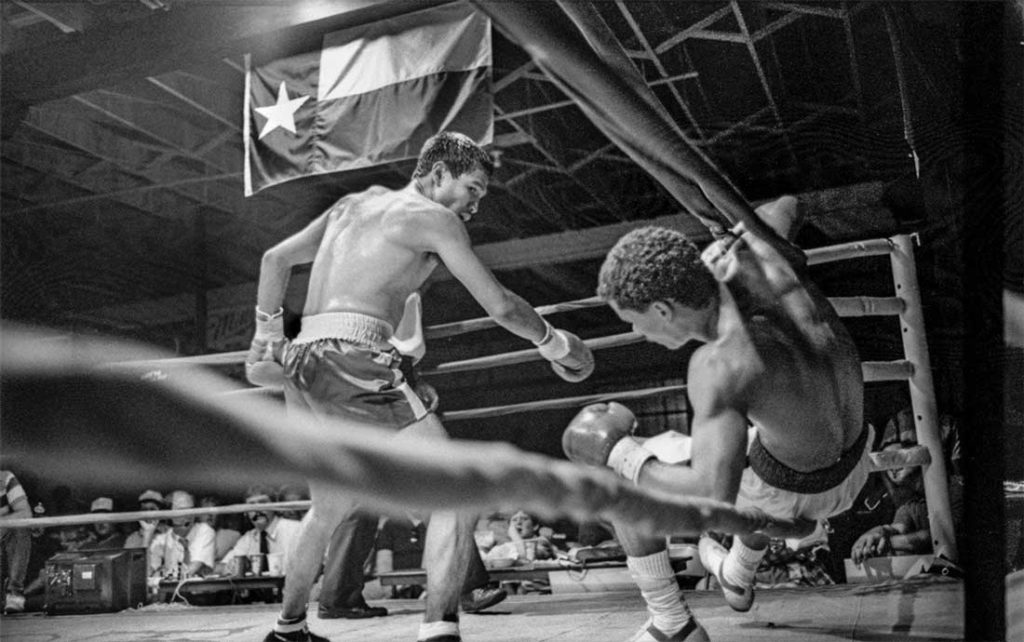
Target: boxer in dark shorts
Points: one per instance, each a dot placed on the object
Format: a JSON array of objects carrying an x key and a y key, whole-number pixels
[{"x": 370, "y": 251}]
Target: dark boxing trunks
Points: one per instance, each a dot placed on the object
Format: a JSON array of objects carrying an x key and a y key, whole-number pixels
[
  {"x": 342, "y": 365},
  {"x": 781, "y": 476}
]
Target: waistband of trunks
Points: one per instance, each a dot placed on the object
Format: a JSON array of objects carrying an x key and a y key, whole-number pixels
[
  {"x": 347, "y": 326},
  {"x": 781, "y": 476}
]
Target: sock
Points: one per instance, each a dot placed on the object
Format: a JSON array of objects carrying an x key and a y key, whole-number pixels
[
  {"x": 741, "y": 563},
  {"x": 627, "y": 457},
  {"x": 435, "y": 629},
  {"x": 290, "y": 625},
  {"x": 654, "y": 576}
]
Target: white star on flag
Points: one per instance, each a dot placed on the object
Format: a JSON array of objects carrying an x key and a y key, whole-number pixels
[{"x": 282, "y": 113}]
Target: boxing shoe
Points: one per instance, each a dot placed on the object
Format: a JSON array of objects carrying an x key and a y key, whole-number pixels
[
  {"x": 601, "y": 435},
  {"x": 14, "y": 603},
  {"x": 482, "y": 598},
  {"x": 691, "y": 632},
  {"x": 305, "y": 635},
  {"x": 712, "y": 556},
  {"x": 354, "y": 612}
]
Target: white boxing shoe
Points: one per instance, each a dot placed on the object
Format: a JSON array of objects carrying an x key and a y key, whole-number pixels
[
  {"x": 712, "y": 555},
  {"x": 692, "y": 632}
]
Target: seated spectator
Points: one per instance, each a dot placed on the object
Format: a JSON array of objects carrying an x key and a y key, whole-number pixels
[
  {"x": 270, "y": 534},
  {"x": 15, "y": 543},
  {"x": 293, "y": 493},
  {"x": 143, "y": 535},
  {"x": 184, "y": 550},
  {"x": 104, "y": 534},
  {"x": 524, "y": 540},
  {"x": 909, "y": 531},
  {"x": 225, "y": 526},
  {"x": 525, "y": 544}
]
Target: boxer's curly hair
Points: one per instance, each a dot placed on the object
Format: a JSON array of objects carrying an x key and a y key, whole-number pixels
[
  {"x": 457, "y": 151},
  {"x": 655, "y": 264}
]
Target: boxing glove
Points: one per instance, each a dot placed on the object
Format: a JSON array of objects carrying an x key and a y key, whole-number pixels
[
  {"x": 262, "y": 367},
  {"x": 720, "y": 256},
  {"x": 408, "y": 337},
  {"x": 570, "y": 358},
  {"x": 601, "y": 435}
]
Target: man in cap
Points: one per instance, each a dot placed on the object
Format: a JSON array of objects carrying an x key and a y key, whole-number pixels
[
  {"x": 143, "y": 535},
  {"x": 105, "y": 534},
  {"x": 187, "y": 548}
]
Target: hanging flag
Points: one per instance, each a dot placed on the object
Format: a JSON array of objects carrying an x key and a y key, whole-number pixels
[{"x": 372, "y": 95}]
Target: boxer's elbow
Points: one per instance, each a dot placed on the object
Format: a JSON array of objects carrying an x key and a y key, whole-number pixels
[{"x": 274, "y": 260}]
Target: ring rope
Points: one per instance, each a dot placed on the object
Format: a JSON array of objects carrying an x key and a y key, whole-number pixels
[
  {"x": 565, "y": 402},
  {"x": 874, "y": 371},
  {"x": 815, "y": 256},
  {"x": 131, "y": 516}
]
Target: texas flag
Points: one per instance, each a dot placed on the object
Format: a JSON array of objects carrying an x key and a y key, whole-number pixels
[{"x": 372, "y": 95}]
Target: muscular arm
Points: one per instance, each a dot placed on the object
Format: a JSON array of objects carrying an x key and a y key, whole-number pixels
[
  {"x": 447, "y": 237},
  {"x": 719, "y": 434},
  {"x": 275, "y": 268}
]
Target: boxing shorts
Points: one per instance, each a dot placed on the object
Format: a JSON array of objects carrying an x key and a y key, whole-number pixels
[
  {"x": 342, "y": 365},
  {"x": 783, "y": 492},
  {"x": 778, "y": 490}
]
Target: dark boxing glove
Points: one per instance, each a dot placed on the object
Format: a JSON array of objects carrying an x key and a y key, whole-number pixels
[
  {"x": 570, "y": 358},
  {"x": 601, "y": 435}
]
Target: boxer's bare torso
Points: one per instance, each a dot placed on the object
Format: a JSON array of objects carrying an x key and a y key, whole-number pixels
[
  {"x": 782, "y": 358},
  {"x": 369, "y": 260}
]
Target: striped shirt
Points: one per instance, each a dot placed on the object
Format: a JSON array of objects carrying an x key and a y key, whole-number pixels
[{"x": 13, "y": 494}]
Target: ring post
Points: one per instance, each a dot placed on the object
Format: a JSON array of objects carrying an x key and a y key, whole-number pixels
[{"x": 922, "y": 397}]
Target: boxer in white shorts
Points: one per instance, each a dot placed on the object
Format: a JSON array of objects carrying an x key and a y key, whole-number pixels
[{"x": 775, "y": 355}]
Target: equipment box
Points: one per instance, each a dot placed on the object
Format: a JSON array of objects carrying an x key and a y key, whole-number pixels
[{"x": 96, "y": 581}]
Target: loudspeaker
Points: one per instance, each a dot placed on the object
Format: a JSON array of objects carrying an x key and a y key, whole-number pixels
[{"x": 96, "y": 581}]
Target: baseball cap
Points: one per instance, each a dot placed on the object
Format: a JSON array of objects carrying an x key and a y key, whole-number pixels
[
  {"x": 102, "y": 505},
  {"x": 151, "y": 496},
  {"x": 182, "y": 499}
]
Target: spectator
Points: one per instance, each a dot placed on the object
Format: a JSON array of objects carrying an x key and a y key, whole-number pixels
[
  {"x": 225, "y": 527},
  {"x": 524, "y": 540},
  {"x": 186, "y": 549},
  {"x": 293, "y": 493},
  {"x": 143, "y": 535},
  {"x": 909, "y": 531},
  {"x": 270, "y": 534},
  {"x": 15, "y": 543},
  {"x": 104, "y": 534}
]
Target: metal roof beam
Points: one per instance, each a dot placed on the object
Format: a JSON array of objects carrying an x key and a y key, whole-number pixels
[{"x": 653, "y": 58}]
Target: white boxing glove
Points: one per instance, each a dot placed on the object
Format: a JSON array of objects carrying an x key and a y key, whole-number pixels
[
  {"x": 570, "y": 358},
  {"x": 408, "y": 338},
  {"x": 262, "y": 367}
]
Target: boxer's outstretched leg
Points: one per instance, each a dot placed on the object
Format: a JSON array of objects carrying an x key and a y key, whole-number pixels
[
  {"x": 446, "y": 557},
  {"x": 649, "y": 565}
]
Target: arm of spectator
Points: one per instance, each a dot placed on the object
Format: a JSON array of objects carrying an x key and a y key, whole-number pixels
[
  {"x": 17, "y": 500},
  {"x": 201, "y": 549}
]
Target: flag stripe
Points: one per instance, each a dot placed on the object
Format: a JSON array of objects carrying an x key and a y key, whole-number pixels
[
  {"x": 416, "y": 109},
  {"x": 450, "y": 38}
]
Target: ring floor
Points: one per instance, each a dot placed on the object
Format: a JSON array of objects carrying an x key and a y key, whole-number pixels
[{"x": 922, "y": 608}]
